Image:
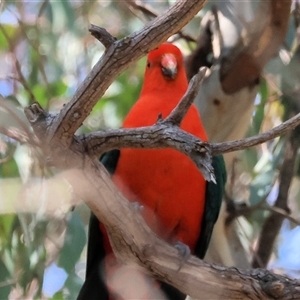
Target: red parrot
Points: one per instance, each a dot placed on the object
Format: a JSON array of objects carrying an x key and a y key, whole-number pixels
[{"x": 179, "y": 205}]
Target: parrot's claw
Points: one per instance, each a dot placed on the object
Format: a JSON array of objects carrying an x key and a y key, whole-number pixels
[
  {"x": 184, "y": 252},
  {"x": 137, "y": 206}
]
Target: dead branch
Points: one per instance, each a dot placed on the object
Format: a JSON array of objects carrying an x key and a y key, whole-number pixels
[
  {"x": 102, "y": 35},
  {"x": 163, "y": 134}
]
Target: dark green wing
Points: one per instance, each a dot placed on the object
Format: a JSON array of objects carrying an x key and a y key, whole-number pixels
[
  {"x": 94, "y": 288},
  {"x": 213, "y": 201},
  {"x": 110, "y": 160}
]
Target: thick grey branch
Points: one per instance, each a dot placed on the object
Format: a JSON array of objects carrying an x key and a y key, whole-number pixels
[{"x": 161, "y": 135}]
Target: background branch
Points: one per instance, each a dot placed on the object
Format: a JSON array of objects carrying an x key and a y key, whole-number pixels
[
  {"x": 218, "y": 148},
  {"x": 273, "y": 223}
]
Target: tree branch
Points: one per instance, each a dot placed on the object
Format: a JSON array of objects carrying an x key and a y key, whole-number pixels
[
  {"x": 21, "y": 78},
  {"x": 237, "y": 210},
  {"x": 144, "y": 8},
  {"x": 218, "y": 148},
  {"x": 102, "y": 35},
  {"x": 161, "y": 135}
]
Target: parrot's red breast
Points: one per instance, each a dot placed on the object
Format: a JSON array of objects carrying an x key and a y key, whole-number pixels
[{"x": 166, "y": 182}]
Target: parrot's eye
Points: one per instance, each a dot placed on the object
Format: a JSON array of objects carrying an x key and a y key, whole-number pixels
[{"x": 148, "y": 64}]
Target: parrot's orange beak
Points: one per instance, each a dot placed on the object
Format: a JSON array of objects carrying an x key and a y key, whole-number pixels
[{"x": 169, "y": 66}]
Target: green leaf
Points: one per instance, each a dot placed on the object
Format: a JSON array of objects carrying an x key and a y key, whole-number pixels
[
  {"x": 74, "y": 243},
  {"x": 250, "y": 157},
  {"x": 57, "y": 88},
  {"x": 10, "y": 31},
  {"x": 69, "y": 14},
  {"x": 261, "y": 186},
  {"x": 40, "y": 94},
  {"x": 73, "y": 284},
  {"x": 6, "y": 222},
  {"x": 260, "y": 109},
  {"x": 5, "y": 286},
  {"x": 9, "y": 169},
  {"x": 58, "y": 296}
]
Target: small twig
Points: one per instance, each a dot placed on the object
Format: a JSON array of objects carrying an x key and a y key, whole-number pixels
[
  {"x": 244, "y": 210},
  {"x": 35, "y": 47},
  {"x": 219, "y": 148},
  {"x": 8, "y": 282},
  {"x": 102, "y": 35},
  {"x": 151, "y": 13},
  {"x": 181, "y": 109},
  {"x": 18, "y": 68},
  {"x": 9, "y": 155},
  {"x": 19, "y": 135},
  {"x": 145, "y": 9},
  {"x": 281, "y": 212}
]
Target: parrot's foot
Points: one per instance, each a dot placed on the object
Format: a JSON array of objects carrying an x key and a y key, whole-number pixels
[
  {"x": 184, "y": 252},
  {"x": 137, "y": 206}
]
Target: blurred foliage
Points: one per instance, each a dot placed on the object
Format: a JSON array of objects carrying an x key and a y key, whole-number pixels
[{"x": 45, "y": 53}]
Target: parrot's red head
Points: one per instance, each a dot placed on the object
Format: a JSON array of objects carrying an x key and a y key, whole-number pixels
[{"x": 165, "y": 69}]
